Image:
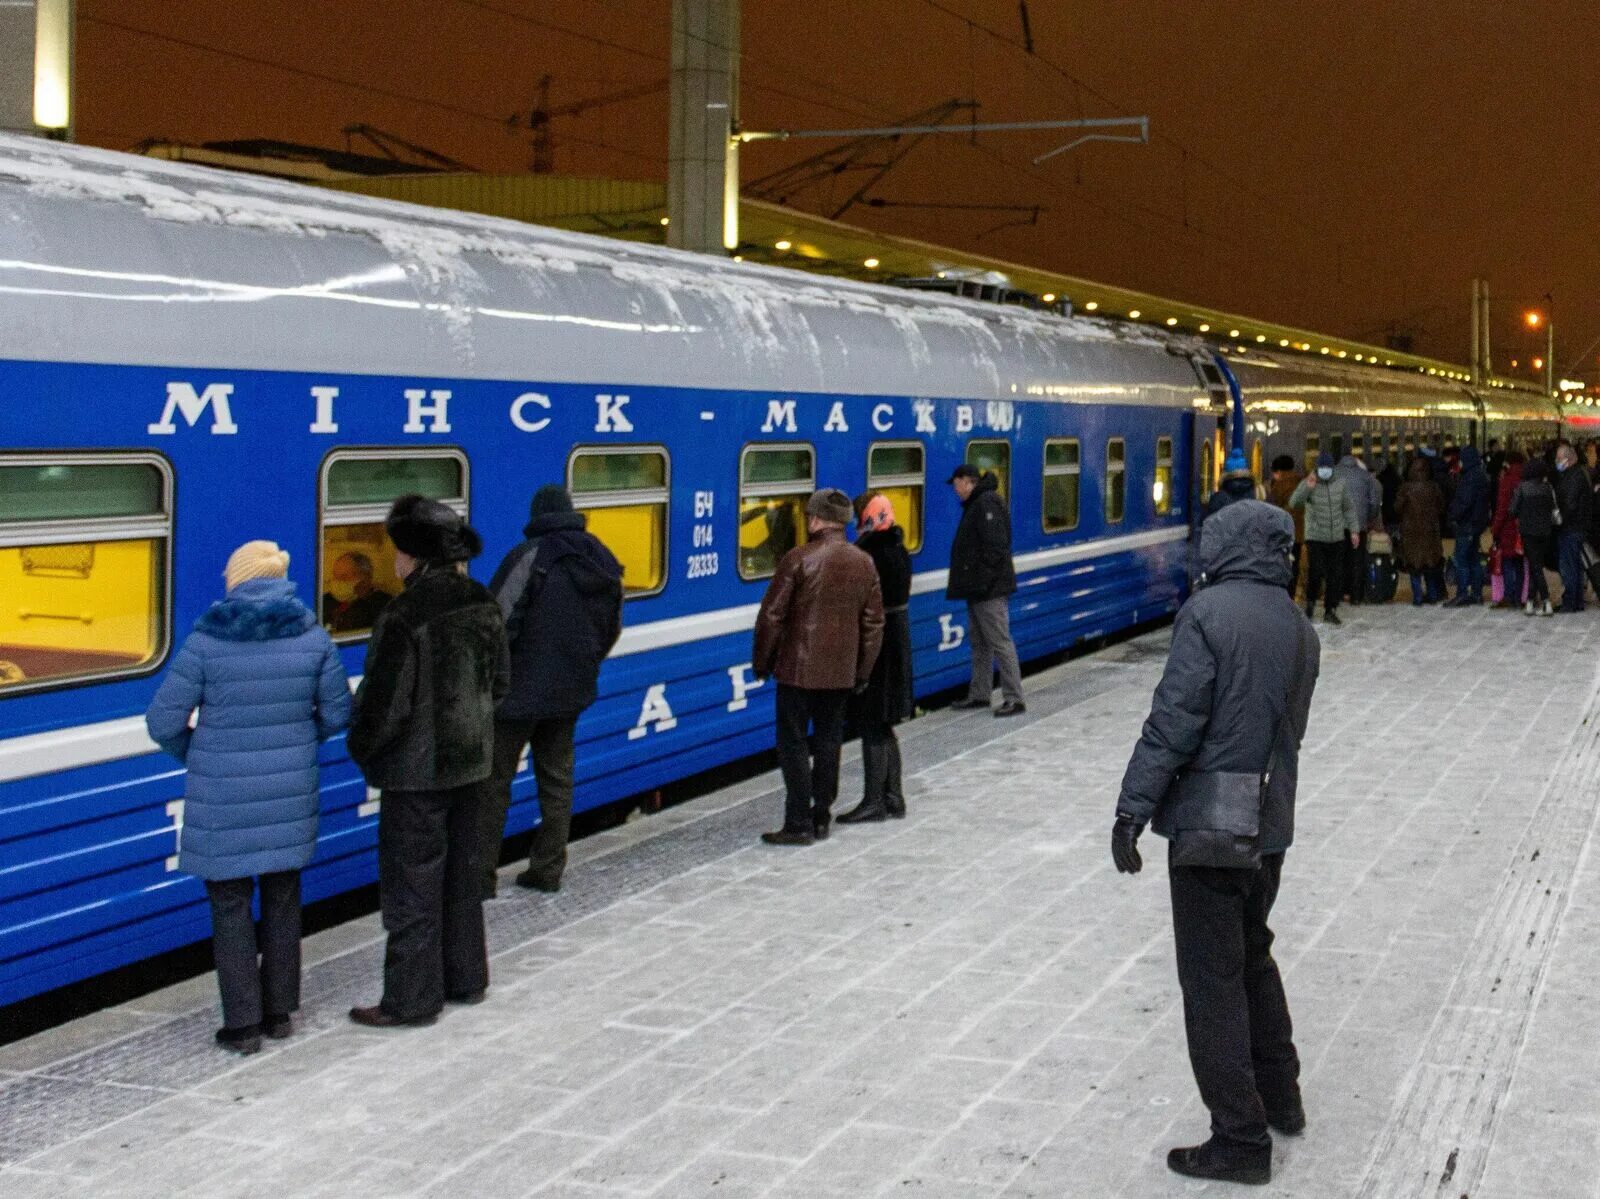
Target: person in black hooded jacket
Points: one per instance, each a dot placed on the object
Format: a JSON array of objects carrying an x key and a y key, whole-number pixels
[
  {"x": 561, "y": 594},
  {"x": 983, "y": 574},
  {"x": 1242, "y": 657}
]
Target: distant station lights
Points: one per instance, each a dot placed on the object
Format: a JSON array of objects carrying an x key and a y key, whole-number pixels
[{"x": 1241, "y": 339}]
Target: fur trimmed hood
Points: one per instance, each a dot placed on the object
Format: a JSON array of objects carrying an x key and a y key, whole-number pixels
[{"x": 257, "y": 610}]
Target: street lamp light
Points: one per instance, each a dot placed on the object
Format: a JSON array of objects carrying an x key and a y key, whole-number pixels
[{"x": 1533, "y": 318}]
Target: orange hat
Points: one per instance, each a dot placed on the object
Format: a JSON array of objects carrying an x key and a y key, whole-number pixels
[{"x": 876, "y": 516}]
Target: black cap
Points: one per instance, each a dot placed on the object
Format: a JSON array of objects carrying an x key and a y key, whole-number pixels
[{"x": 965, "y": 471}]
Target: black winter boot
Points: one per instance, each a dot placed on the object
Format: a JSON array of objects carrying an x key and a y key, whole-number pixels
[
  {"x": 1223, "y": 1161},
  {"x": 894, "y": 795},
  {"x": 875, "y": 769}
]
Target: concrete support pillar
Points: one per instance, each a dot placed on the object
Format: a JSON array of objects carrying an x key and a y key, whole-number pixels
[
  {"x": 36, "y": 66},
  {"x": 702, "y": 160}
]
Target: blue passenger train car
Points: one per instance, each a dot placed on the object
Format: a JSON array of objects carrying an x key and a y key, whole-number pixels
[{"x": 191, "y": 359}]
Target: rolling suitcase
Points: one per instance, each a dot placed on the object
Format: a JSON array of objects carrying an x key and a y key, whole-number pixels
[{"x": 1382, "y": 577}]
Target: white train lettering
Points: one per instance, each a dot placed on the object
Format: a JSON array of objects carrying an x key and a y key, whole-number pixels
[
  {"x": 882, "y": 418},
  {"x": 609, "y": 417},
  {"x": 963, "y": 418},
  {"x": 780, "y": 416},
  {"x": 181, "y": 398},
  {"x": 836, "y": 422},
  {"x": 951, "y": 634},
  {"x": 434, "y": 406},
  {"x": 520, "y": 404},
  {"x": 924, "y": 411},
  {"x": 175, "y": 810},
  {"x": 654, "y": 711},
  {"x": 743, "y": 683},
  {"x": 704, "y": 502},
  {"x": 325, "y": 396}
]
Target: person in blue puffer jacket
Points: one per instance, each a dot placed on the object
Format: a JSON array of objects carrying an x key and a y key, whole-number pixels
[{"x": 269, "y": 688}]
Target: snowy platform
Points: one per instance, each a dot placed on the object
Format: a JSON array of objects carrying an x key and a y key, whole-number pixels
[{"x": 968, "y": 1003}]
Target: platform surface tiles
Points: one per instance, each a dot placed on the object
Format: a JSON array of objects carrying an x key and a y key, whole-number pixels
[{"x": 968, "y": 1003}]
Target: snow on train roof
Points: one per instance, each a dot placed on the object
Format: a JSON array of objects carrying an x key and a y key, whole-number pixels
[{"x": 437, "y": 292}]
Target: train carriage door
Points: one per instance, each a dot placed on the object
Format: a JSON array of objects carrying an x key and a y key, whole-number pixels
[{"x": 1206, "y": 445}]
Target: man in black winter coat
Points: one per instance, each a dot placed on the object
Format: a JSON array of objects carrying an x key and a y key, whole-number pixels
[
  {"x": 561, "y": 594},
  {"x": 1242, "y": 654},
  {"x": 1471, "y": 507},
  {"x": 982, "y": 574},
  {"x": 436, "y": 666},
  {"x": 1575, "y": 502}
]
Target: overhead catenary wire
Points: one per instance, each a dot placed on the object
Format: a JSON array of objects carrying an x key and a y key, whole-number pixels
[{"x": 336, "y": 80}]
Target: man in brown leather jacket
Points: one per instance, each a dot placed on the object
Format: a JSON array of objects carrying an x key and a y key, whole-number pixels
[{"x": 818, "y": 632}]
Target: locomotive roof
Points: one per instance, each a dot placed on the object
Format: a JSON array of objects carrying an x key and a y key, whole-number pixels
[{"x": 108, "y": 257}]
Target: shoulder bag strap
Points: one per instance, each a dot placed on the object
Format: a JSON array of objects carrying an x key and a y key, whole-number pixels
[{"x": 1296, "y": 690}]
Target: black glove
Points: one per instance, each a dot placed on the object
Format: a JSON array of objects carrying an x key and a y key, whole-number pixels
[
  {"x": 1125, "y": 845},
  {"x": 860, "y": 688}
]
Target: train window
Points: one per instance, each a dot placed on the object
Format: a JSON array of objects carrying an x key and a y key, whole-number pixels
[
  {"x": 897, "y": 469},
  {"x": 1411, "y": 445},
  {"x": 1256, "y": 459},
  {"x": 992, "y": 456},
  {"x": 1208, "y": 471},
  {"x": 1358, "y": 445},
  {"x": 1161, "y": 490},
  {"x": 1336, "y": 446},
  {"x": 1313, "y": 451},
  {"x": 774, "y": 483},
  {"x": 1116, "y": 480},
  {"x": 358, "y": 488},
  {"x": 84, "y": 550},
  {"x": 622, "y": 491},
  {"x": 1061, "y": 481}
]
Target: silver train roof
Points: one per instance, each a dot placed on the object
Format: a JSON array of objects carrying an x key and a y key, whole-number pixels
[{"x": 114, "y": 258}]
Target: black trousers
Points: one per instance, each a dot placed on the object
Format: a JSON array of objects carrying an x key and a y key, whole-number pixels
[
  {"x": 1535, "y": 553},
  {"x": 880, "y": 767},
  {"x": 258, "y": 966},
  {"x": 1241, "y": 1040},
  {"x": 551, "y": 742},
  {"x": 428, "y": 890},
  {"x": 1324, "y": 573},
  {"x": 810, "y": 765},
  {"x": 1356, "y": 560}
]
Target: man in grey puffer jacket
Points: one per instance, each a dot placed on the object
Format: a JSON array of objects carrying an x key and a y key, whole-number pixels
[
  {"x": 1366, "y": 495},
  {"x": 1238, "y": 648}
]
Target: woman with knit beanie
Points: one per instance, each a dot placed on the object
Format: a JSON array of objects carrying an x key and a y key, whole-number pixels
[{"x": 268, "y": 687}]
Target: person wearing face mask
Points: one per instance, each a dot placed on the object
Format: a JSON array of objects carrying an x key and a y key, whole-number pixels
[
  {"x": 1331, "y": 524},
  {"x": 1575, "y": 502},
  {"x": 352, "y": 601}
]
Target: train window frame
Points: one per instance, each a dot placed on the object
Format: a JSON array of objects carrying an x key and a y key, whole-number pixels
[
  {"x": 1313, "y": 451},
  {"x": 768, "y": 491},
  {"x": 1163, "y": 502},
  {"x": 159, "y": 527},
  {"x": 1062, "y": 470},
  {"x": 1358, "y": 446},
  {"x": 1336, "y": 442},
  {"x": 373, "y": 513},
  {"x": 902, "y": 481},
  {"x": 1116, "y": 468},
  {"x": 1258, "y": 459},
  {"x": 1003, "y": 478},
  {"x": 630, "y": 498}
]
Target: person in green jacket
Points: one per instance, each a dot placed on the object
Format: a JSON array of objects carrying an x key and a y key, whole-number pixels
[{"x": 1330, "y": 525}]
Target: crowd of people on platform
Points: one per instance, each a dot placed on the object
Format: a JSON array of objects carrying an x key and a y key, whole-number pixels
[
  {"x": 1510, "y": 516},
  {"x": 461, "y": 680}
]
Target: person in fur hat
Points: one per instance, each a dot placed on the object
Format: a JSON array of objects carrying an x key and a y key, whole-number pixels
[
  {"x": 423, "y": 733},
  {"x": 266, "y": 682}
]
